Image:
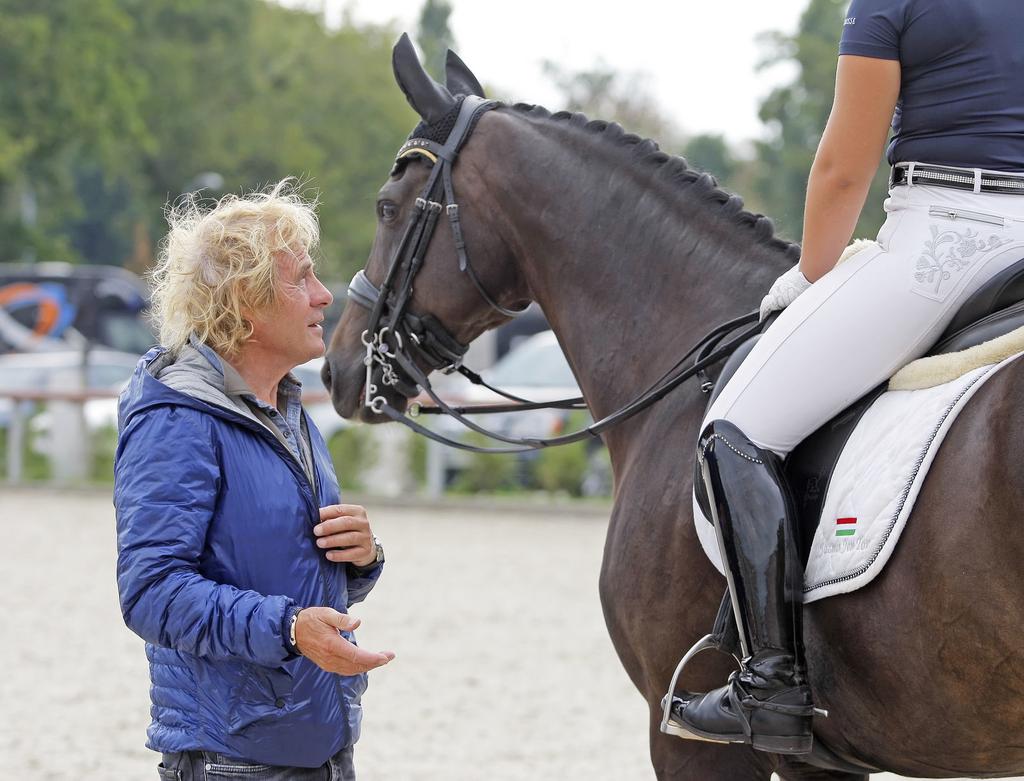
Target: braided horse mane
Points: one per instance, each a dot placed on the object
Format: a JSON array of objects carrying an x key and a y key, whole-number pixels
[{"x": 702, "y": 186}]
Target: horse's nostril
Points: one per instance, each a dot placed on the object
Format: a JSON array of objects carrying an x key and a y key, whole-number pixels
[{"x": 325, "y": 375}]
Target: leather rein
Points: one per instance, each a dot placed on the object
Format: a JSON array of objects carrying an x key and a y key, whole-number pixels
[{"x": 395, "y": 336}]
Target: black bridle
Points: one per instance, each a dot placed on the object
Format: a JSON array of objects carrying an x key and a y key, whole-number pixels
[
  {"x": 393, "y": 329},
  {"x": 396, "y": 337}
]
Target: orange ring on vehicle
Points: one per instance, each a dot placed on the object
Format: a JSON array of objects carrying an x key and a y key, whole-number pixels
[
  {"x": 13, "y": 292},
  {"x": 49, "y": 309}
]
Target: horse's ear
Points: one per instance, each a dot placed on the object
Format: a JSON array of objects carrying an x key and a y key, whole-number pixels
[
  {"x": 428, "y": 98},
  {"x": 459, "y": 78}
]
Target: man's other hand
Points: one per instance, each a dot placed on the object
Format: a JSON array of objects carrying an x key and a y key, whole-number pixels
[
  {"x": 317, "y": 638},
  {"x": 344, "y": 530}
]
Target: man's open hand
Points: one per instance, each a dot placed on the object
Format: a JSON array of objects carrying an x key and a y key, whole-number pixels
[
  {"x": 344, "y": 530},
  {"x": 317, "y": 638}
]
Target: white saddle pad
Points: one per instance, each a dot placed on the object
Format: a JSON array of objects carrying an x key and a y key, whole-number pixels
[
  {"x": 877, "y": 479},
  {"x": 875, "y": 483}
]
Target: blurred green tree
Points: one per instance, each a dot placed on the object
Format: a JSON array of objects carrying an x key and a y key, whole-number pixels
[
  {"x": 435, "y": 36},
  {"x": 734, "y": 168},
  {"x": 187, "y": 57},
  {"x": 69, "y": 92},
  {"x": 324, "y": 107},
  {"x": 603, "y": 93},
  {"x": 110, "y": 108},
  {"x": 711, "y": 152},
  {"x": 796, "y": 114}
]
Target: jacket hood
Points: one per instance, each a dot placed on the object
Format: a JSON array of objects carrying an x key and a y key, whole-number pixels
[
  {"x": 198, "y": 372},
  {"x": 187, "y": 379}
]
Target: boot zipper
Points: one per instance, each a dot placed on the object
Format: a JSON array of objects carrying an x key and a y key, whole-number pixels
[{"x": 964, "y": 214}]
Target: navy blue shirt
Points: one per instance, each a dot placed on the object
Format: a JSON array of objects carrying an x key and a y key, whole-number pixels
[{"x": 962, "y": 61}]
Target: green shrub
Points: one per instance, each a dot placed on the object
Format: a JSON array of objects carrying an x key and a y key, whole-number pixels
[
  {"x": 352, "y": 450},
  {"x": 34, "y": 466},
  {"x": 561, "y": 469},
  {"x": 418, "y": 459},
  {"x": 102, "y": 445},
  {"x": 486, "y": 472}
]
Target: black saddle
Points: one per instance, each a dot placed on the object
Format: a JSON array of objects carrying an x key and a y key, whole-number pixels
[{"x": 996, "y": 309}]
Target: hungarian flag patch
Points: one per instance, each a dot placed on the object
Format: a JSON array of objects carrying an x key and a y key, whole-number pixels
[{"x": 846, "y": 527}]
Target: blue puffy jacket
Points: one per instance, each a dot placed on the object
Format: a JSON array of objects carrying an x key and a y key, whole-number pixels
[{"x": 215, "y": 541}]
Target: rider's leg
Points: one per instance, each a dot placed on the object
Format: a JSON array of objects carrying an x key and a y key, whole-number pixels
[
  {"x": 845, "y": 335},
  {"x": 768, "y": 704},
  {"x": 871, "y": 315}
]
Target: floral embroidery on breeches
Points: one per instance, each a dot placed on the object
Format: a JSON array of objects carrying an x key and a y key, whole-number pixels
[{"x": 947, "y": 256}]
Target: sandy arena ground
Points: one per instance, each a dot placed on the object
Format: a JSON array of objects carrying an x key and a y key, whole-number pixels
[{"x": 504, "y": 669}]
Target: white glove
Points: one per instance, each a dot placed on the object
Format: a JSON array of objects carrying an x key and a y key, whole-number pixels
[{"x": 784, "y": 292}]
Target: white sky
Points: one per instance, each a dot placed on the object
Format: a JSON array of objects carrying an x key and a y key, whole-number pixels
[{"x": 697, "y": 57}]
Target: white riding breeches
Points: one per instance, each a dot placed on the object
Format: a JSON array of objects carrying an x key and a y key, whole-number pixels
[{"x": 873, "y": 313}]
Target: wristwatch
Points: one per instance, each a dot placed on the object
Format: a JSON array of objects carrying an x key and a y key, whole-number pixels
[
  {"x": 291, "y": 629},
  {"x": 378, "y": 551}
]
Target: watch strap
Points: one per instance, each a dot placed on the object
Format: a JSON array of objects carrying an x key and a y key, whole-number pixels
[
  {"x": 378, "y": 551},
  {"x": 291, "y": 619}
]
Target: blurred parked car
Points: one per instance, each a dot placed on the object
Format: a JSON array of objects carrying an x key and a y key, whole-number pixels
[
  {"x": 55, "y": 306},
  {"x": 535, "y": 369},
  {"x": 510, "y": 335}
]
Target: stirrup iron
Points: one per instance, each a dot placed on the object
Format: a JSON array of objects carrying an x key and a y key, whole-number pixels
[
  {"x": 705, "y": 643},
  {"x": 724, "y": 637}
]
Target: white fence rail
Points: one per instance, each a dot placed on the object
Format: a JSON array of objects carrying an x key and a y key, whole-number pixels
[
  {"x": 69, "y": 442},
  {"x": 72, "y": 436}
]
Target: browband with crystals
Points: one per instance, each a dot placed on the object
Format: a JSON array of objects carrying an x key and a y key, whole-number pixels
[{"x": 416, "y": 146}]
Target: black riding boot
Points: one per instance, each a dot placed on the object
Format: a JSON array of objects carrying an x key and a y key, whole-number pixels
[{"x": 767, "y": 703}]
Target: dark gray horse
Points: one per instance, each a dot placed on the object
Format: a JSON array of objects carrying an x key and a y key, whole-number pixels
[{"x": 632, "y": 256}]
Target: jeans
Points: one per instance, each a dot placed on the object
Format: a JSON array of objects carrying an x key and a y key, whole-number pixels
[{"x": 210, "y": 766}]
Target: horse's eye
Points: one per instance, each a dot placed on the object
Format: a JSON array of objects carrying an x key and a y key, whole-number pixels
[{"x": 387, "y": 211}]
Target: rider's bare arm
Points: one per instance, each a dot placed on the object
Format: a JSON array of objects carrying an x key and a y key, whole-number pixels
[{"x": 847, "y": 158}]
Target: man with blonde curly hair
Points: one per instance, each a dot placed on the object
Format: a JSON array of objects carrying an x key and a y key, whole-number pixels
[{"x": 237, "y": 561}]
